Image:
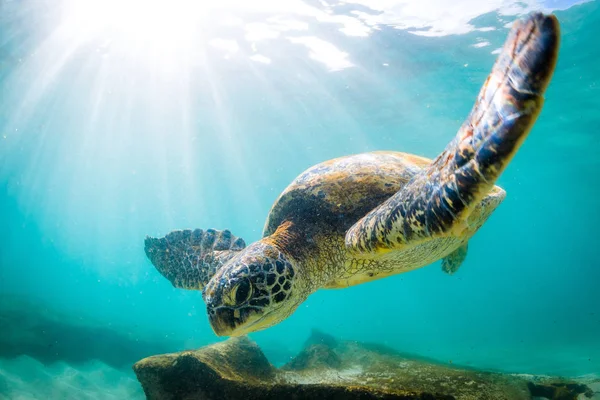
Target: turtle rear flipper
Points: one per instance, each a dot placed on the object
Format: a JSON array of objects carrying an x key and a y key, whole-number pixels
[
  {"x": 453, "y": 261},
  {"x": 188, "y": 259},
  {"x": 438, "y": 201}
]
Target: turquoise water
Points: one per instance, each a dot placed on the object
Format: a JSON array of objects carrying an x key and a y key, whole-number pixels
[{"x": 138, "y": 121}]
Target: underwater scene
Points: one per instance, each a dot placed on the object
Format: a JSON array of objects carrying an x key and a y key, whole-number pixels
[{"x": 362, "y": 199}]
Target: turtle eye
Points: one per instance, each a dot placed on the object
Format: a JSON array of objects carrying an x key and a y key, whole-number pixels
[{"x": 240, "y": 293}]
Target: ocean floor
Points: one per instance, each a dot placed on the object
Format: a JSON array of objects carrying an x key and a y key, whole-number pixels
[
  {"x": 24, "y": 378},
  {"x": 48, "y": 354}
]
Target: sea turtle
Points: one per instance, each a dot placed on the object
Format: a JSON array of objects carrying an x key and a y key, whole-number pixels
[{"x": 368, "y": 216}]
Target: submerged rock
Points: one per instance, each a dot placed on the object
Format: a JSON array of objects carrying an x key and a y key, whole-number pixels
[
  {"x": 331, "y": 369},
  {"x": 559, "y": 390}
]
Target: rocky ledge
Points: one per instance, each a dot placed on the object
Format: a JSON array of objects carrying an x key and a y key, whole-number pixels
[{"x": 331, "y": 369}]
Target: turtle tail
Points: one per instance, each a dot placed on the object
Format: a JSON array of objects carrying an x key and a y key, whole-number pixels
[{"x": 438, "y": 199}]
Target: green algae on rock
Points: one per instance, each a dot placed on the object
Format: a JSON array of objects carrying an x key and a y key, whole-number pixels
[{"x": 331, "y": 369}]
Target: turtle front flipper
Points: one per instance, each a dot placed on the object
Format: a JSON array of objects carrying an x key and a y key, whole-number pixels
[
  {"x": 438, "y": 201},
  {"x": 188, "y": 259}
]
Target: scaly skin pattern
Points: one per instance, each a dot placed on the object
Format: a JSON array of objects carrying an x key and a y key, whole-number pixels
[
  {"x": 257, "y": 279},
  {"x": 188, "y": 259},
  {"x": 437, "y": 203}
]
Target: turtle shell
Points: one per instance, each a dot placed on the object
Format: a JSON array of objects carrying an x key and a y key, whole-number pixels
[{"x": 330, "y": 197}]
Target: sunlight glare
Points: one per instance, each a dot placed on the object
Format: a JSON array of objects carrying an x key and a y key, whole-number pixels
[{"x": 149, "y": 23}]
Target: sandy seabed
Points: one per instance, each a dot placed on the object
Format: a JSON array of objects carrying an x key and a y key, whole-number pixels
[{"x": 24, "y": 378}]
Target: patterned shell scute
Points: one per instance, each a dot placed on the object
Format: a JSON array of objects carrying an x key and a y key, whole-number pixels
[{"x": 336, "y": 193}]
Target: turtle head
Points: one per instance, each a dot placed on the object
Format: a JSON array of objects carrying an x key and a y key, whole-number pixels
[{"x": 255, "y": 290}]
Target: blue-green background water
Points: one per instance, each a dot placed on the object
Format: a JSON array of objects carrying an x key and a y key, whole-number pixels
[{"x": 107, "y": 135}]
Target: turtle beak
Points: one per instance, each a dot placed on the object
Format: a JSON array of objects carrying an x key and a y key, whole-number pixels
[
  {"x": 226, "y": 321},
  {"x": 222, "y": 321}
]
